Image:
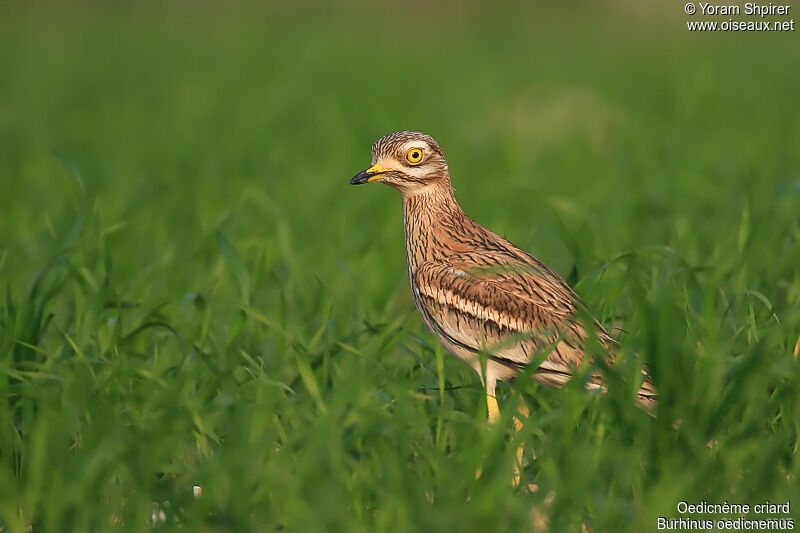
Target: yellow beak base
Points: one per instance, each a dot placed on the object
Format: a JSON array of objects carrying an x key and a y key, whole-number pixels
[{"x": 373, "y": 173}]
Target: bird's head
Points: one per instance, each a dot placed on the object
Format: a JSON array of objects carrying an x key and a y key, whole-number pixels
[{"x": 408, "y": 161}]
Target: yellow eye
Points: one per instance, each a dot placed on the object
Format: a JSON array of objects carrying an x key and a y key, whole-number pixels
[{"x": 414, "y": 156}]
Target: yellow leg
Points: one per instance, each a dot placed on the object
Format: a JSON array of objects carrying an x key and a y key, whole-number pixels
[
  {"x": 492, "y": 408},
  {"x": 524, "y": 412},
  {"x": 493, "y": 412}
]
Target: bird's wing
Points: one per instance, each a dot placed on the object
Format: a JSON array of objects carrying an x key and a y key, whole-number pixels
[
  {"x": 522, "y": 276},
  {"x": 496, "y": 302}
]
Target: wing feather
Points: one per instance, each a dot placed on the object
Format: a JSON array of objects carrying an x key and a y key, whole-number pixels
[{"x": 512, "y": 309}]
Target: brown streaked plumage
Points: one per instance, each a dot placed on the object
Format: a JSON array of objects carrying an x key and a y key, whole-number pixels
[{"x": 474, "y": 289}]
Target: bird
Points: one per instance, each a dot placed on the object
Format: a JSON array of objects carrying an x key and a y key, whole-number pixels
[{"x": 490, "y": 303}]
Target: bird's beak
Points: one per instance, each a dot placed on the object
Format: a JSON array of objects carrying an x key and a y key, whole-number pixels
[{"x": 371, "y": 174}]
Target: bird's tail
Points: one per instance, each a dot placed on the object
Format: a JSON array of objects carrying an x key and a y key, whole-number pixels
[{"x": 646, "y": 395}]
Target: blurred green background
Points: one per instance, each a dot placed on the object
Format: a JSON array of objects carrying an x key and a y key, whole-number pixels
[{"x": 192, "y": 294}]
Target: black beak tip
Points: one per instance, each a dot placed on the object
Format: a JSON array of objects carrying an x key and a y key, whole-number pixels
[{"x": 360, "y": 178}]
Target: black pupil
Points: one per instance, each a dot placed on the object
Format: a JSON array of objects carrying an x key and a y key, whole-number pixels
[{"x": 414, "y": 155}]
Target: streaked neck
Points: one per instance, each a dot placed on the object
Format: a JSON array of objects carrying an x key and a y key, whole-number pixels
[{"x": 432, "y": 216}]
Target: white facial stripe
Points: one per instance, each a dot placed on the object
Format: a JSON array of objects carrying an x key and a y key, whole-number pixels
[{"x": 416, "y": 144}]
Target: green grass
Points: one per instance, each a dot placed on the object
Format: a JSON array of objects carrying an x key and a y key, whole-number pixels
[{"x": 192, "y": 294}]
